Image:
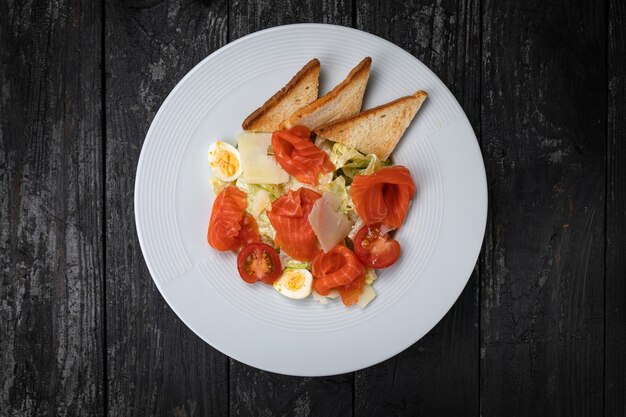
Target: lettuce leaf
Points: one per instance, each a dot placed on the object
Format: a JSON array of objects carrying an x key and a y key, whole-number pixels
[
  {"x": 324, "y": 145},
  {"x": 363, "y": 165},
  {"x": 259, "y": 198},
  {"x": 218, "y": 185},
  {"x": 338, "y": 186},
  {"x": 273, "y": 190},
  {"x": 352, "y": 162},
  {"x": 340, "y": 154},
  {"x": 266, "y": 230},
  {"x": 289, "y": 263}
]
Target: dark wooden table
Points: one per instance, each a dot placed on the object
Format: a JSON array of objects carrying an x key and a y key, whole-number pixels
[{"x": 540, "y": 329}]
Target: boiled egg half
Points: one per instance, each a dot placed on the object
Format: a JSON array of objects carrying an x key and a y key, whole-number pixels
[
  {"x": 225, "y": 161},
  {"x": 294, "y": 283}
]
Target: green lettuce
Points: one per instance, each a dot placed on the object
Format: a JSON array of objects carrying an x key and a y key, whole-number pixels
[
  {"x": 273, "y": 191},
  {"x": 324, "y": 145},
  {"x": 340, "y": 154},
  {"x": 218, "y": 185},
  {"x": 352, "y": 162},
  {"x": 259, "y": 198},
  {"x": 289, "y": 263},
  {"x": 338, "y": 186},
  {"x": 364, "y": 165},
  {"x": 266, "y": 230}
]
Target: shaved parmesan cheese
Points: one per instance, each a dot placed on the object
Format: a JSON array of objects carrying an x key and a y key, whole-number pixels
[
  {"x": 251, "y": 141},
  {"x": 333, "y": 200},
  {"x": 259, "y": 167},
  {"x": 330, "y": 226},
  {"x": 263, "y": 169},
  {"x": 366, "y": 296}
]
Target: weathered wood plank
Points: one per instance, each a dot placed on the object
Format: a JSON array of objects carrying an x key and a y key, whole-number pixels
[
  {"x": 259, "y": 393},
  {"x": 544, "y": 126},
  {"x": 255, "y": 392},
  {"x": 439, "y": 374},
  {"x": 156, "y": 365},
  {"x": 50, "y": 209},
  {"x": 247, "y": 16},
  {"x": 615, "y": 299}
]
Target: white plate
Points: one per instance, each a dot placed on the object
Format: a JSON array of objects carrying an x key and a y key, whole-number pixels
[{"x": 253, "y": 323}]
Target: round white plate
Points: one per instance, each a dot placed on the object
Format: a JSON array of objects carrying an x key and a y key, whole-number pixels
[{"x": 254, "y": 324}]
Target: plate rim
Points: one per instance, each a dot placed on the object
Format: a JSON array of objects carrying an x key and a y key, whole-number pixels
[{"x": 141, "y": 162}]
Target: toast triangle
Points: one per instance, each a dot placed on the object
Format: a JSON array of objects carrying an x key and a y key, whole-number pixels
[
  {"x": 376, "y": 130},
  {"x": 342, "y": 101},
  {"x": 301, "y": 90}
]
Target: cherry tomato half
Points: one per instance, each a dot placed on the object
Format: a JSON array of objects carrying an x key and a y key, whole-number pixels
[
  {"x": 375, "y": 248},
  {"x": 259, "y": 262}
]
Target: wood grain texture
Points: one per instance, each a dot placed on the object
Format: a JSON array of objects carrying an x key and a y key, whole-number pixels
[
  {"x": 544, "y": 127},
  {"x": 156, "y": 365},
  {"x": 255, "y": 392},
  {"x": 615, "y": 293},
  {"x": 439, "y": 374},
  {"x": 542, "y": 331},
  {"x": 247, "y": 16},
  {"x": 50, "y": 209},
  {"x": 265, "y": 394}
]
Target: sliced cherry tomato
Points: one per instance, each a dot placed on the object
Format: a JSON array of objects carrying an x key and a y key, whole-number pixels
[
  {"x": 375, "y": 248},
  {"x": 259, "y": 262}
]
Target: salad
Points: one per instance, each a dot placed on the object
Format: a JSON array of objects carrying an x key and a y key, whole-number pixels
[{"x": 309, "y": 217}]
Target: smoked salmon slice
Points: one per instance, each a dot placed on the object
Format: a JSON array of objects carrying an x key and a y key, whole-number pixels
[
  {"x": 384, "y": 196},
  {"x": 339, "y": 269},
  {"x": 230, "y": 226},
  {"x": 350, "y": 293},
  {"x": 290, "y": 218},
  {"x": 295, "y": 152}
]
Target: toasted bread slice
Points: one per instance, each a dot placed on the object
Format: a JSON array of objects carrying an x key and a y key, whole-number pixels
[
  {"x": 301, "y": 90},
  {"x": 377, "y": 130},
  {"x": 343, "y": 101}
]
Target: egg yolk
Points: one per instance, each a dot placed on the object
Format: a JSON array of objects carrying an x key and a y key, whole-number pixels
[
  {"x": 226, "y": 162},
  {"x": 295, "y": 281}
]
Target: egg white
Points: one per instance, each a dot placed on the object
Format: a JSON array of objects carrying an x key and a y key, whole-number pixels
[
  {"x": 282, "y": 284},
  {"x": 215, "y": 150}
]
